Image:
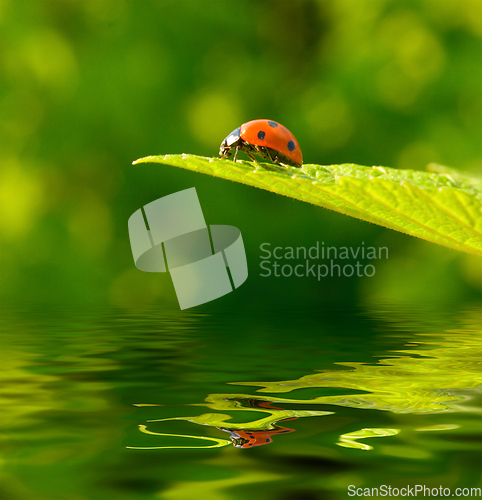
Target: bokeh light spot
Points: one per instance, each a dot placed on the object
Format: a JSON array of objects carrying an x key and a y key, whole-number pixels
[
  {"x": 212, "y": 116},
  {"x": 21, "y": 197},
  {"x": 90, "y": 224},
  {"x": 51, "y": 59},
  {"x": 416, "y": 155},
  {"x": 328, "y": 117}
]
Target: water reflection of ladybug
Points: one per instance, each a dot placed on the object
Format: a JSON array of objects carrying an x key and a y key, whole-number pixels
[{"x": 252, "y": 438}]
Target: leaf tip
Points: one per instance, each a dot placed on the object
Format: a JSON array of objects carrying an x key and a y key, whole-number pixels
[{"x": 146, "y": 159}]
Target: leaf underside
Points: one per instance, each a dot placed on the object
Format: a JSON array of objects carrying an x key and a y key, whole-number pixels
[{"x": 443, "y": 206}]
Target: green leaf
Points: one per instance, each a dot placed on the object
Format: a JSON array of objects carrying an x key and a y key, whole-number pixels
[{"x": 443, "y": 207}]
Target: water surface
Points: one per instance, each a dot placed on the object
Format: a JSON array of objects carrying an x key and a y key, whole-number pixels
[{"x": 279, "y": 404}]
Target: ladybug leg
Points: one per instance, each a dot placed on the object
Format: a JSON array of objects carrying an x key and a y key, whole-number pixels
[
  {"x": 275, "y": 159},
  {"x": 235, "y": 159},
  {"x": 251, "y": 156}
]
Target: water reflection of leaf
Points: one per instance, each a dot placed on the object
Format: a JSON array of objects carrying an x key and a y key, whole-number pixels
[
  {"x": 260, "y": 431},
  {"x": 433, "y": 374},
  {"x": 220, "y": 420},
  {"x": 350, "y": 440},
  {"x": 419, "y": 380},
  {"x": 218, "y": 442},
  {"x": 438, "y": 427}
]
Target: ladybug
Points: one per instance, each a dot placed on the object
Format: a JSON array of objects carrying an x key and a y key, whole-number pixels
[{"x": 264, "y": 138}]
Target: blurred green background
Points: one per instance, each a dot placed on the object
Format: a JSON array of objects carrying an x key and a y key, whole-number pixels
[{"x": 88, "y": 86}]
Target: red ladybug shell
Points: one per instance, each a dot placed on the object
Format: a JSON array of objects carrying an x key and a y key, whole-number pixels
[
  {"x": 250, "y": 439},
  {"x": 271, "y": 134}
]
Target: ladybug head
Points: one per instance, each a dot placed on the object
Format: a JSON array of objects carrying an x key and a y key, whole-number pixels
[
  {"x": 240, "y": 442},
  {"x": 231, "y": 141}
]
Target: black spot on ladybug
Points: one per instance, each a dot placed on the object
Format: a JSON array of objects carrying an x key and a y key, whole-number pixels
[
  {"x": 291, "y": 145},
  {"x": 272, "y": 124},
  {"x": 261, "y": 134}
]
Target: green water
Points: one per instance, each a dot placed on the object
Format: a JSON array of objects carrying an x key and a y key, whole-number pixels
[{"x": 279, "y": 404}]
